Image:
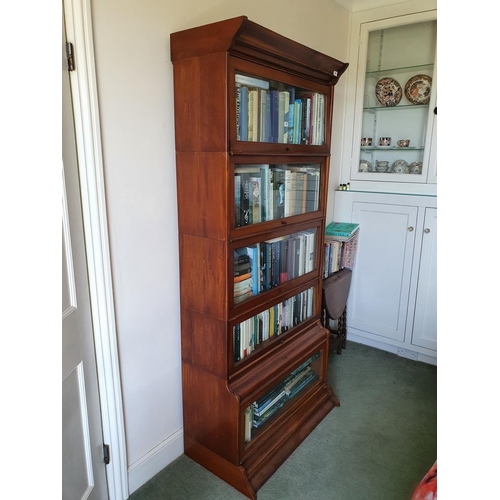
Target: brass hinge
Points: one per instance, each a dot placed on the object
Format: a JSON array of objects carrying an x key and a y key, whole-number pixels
[
  {"x": 105, "y": 453},
  {"x": 70, "y": 56}
]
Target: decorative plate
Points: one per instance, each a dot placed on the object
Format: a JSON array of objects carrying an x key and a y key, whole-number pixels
[
  {"x": 388, "y": 92},
  {"x": 418, "y": 89},
  {"x": 365, "y": 166},
  {"x": 400, "y": 167},
  {"x": 415, "y": 167}
]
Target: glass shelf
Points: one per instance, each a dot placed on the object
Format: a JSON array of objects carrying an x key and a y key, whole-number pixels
[
  {"x": 404, "y": 69},
  {"x": 399, "y": 107},
  {"x": 400, "y": 150}
]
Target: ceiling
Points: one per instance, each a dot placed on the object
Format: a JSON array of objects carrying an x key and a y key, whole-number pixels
[{"x": 358, "y": 5}]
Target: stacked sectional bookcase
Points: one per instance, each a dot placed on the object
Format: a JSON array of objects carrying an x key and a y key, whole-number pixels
[{"x": 252, "y": 175}]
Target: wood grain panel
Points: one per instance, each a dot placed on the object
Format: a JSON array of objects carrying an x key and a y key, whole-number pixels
[
  {"x": 203, "y": 273},
  {"x": 202, "y": 180}
]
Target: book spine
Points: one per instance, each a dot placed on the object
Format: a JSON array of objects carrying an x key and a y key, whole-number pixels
[
  {"x": 256, "y": 199},
  {"x": 274, "y": 115},
  {"x": 244, "y": 114},
  {"x": 237, "y": 200},
  {"x": 238, "y": 111},
  {"x": 264, "y": 191},
  {"x": 245, "y": 199},
  {"x": 237, "y": 342}
]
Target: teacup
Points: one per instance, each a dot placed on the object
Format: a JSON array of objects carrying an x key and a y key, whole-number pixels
[
  {"x": 366, "y": 141},
  {"x": 404, "y": 143},
  {"x": 381, "y": 166},
  {"x": 384, "y": 141}
]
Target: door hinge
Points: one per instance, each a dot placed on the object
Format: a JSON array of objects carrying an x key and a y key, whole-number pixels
[
  {"x": 105, "y": 453},
  {"x": 70, "y": 56}
]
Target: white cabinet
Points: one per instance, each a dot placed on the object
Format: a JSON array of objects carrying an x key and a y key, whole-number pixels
[{"x": 392, "y": 301}]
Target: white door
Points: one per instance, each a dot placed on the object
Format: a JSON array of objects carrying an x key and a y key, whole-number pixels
[
  {"x": 83, "y": 468},
  {"x": 380, "y": 285},
  {"x": 425, "y": 322}
]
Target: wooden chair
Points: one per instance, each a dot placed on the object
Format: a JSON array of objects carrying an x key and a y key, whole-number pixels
[{"x": 335, "y": 293}]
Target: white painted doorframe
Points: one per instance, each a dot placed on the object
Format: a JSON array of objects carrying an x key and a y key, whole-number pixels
[{"x": 88, "y": 138}]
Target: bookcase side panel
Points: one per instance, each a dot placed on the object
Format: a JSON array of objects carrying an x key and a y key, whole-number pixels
[
  {"x": 202, "y": 194},
  {"x": 210, "y": 412},
  {"x": 203, "y": 275},
  {"x": 204, "y": 342},
  {"x": 200, "y": 106}
]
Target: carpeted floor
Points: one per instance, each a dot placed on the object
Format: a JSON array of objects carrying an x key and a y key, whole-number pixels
[{"x": 377, "y": 445}]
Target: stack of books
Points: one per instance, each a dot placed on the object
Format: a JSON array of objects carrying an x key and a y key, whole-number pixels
[{"x": 341, "y": 243}]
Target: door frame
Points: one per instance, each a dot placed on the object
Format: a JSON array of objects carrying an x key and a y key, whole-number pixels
[{"x": 88, "y": 139}]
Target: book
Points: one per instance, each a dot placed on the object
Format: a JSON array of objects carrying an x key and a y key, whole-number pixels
[
  {"x": 251, "y": 81},
  {"x": 341, "y": 231},
  {"x": 237, "y": 200},
  {"x": 264, "y": 192},
  {"x": 256, "y": 199},
  {"x": 238, "y": 111},
  {"x": 253, "y": 113},
  {"x": 237, "y": 342},
  {"x": 262, "y": 115},
  {"x": 244, "y": 114},
  {"x": 274, "y": 115}
]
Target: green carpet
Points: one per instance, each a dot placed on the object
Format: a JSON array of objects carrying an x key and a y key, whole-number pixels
[{"x": 377, "y": 445}]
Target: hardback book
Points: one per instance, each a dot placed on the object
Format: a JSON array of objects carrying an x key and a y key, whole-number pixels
[
  {"x": 274, "y": 115},
  {"x": 341, "y": 231},
  {"x": 264, "y": 192},
  {"x": 262, "y": 115},
  {"x": 256, "y": 199},
  {"x": 253, "y": 113},
  {"x": 251, "y": 81},
  {"x": 237, "y": 200},
  {"x": 238, "y": 111},
  {"x": 244, "y": 114}
]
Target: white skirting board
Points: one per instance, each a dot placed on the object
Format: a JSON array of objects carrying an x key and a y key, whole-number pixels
[
  {"x": 352, "y": 337},
  {"x": 157, "y": 459}
]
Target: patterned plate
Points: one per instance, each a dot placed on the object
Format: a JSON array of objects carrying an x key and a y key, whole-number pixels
[
  {"x": 388, "y": 92},
  {"x": 400, "y": 167},
  {"x": 418, "y": 89}
]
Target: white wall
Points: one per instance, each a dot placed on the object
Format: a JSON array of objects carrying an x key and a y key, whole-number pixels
[{"x": 134, "y": 77}]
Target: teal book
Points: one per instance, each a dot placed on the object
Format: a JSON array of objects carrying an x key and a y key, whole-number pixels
[{"x": 341, "y": 229}]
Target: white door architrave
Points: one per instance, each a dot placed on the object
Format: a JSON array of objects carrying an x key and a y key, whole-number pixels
[{"x": 78, "y": 21}]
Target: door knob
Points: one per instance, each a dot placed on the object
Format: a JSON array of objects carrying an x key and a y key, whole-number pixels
[
  {"x": 427, "y": 231},
  {"x": 410, "y": 229}
]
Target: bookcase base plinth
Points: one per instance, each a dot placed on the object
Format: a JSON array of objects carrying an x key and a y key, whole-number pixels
[
  {"x": 260, "y": 465},
  {"x": 232, "y": 474}
]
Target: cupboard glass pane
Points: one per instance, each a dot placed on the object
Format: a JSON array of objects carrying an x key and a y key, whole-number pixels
[
  {"x": 272, "y": 111},
  {"x": 266, "y": 192},
  {"x": 398, "y": 87}
]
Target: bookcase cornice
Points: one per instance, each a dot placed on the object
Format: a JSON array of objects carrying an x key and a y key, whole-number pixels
[{"x": 243, "y": 38}]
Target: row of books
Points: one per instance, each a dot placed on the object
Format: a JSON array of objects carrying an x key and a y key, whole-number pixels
[
  {"x": 338, "y": 255},
  {"x": 280, "y": 115},
  {"x": 265, "y": 192},
  {"x": 265, "y": 265},
  {"x": 271, "y": 323},
  {"x": 266, "y": 406}
]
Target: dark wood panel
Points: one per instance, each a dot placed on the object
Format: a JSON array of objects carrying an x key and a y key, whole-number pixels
[
  {"x": 202, "y": 184},
  {"x": 204, "y": 341},
  {"x": 210, "y": 412},
  {"x": 203, "y": 273},
  {"x": 200, "y": 104}
]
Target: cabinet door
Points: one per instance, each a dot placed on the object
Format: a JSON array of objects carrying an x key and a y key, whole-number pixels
[
  {"x": 381, "y": 278},
  {"x": 425, "y": 322}
]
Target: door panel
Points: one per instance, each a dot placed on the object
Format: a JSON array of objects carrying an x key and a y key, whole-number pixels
[
  {"x": 381, "y": 278},
  {"x": 83, "y": 469},
  {"x": 425, "y": 322}
]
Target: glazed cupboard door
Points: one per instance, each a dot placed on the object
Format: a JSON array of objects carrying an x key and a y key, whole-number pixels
[{"x": 395, "y": 102}]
